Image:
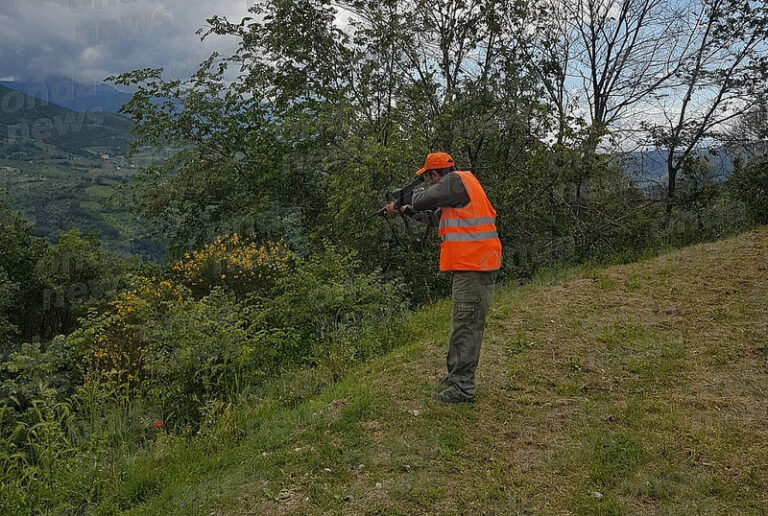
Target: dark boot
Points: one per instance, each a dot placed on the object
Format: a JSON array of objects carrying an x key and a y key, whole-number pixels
[{"x": 451, "y": 395}]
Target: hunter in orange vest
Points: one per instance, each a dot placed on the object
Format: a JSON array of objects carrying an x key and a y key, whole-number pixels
[{"x": 471, "y": 251}]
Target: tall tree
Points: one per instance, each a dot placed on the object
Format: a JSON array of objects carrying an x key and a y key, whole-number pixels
[
  {"x": 600, "y": 61},
  {"x": 719, "y": 81},
  {"x": 601, "y": 58}
]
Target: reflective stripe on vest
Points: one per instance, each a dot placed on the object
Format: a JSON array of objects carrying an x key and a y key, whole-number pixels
[
  {"x": 476, "y": 221},
  {"x": 468, "y": 237}
]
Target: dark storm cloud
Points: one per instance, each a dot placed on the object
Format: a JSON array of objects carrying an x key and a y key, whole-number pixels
[{"x": 91, "y": 39}]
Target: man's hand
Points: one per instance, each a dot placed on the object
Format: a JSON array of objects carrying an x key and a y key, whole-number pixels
[{"x": 393, "y": 209}]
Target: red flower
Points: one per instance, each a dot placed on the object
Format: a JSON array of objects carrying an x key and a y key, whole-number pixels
[{"x": 159, "y": 424}]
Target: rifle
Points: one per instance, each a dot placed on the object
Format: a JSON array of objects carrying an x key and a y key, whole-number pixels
[{"x": 398, "y": 196}]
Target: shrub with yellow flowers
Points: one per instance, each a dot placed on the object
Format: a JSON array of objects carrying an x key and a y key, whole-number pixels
[
  {"x": 237, "y": 264},
  {"x": 115, "y": 342},
  {"x": 159, "y": 346}
]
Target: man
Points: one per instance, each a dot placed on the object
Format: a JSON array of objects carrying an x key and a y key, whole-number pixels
[{"x": 470, "y": 249}]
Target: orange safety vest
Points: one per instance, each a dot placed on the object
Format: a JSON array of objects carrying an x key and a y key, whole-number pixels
[{"x": 469, "y": 241}]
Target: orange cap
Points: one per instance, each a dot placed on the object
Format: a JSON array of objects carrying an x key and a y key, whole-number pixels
[{"x": 436, "y": 160}]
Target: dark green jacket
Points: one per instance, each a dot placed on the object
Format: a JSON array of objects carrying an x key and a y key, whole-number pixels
[{"x": 448, "y": 192}]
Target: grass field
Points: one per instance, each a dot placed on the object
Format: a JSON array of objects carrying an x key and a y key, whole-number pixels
[{"x": 635, "y": 389}]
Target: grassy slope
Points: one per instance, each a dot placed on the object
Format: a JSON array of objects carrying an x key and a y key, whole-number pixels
[{"x": 631, "y": 389}]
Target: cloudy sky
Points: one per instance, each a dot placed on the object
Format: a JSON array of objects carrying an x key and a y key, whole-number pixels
[{"x": 90, "y": 39}]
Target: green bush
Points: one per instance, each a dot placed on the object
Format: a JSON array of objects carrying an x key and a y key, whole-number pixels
[
  {"x": 158, "y": 344},
  {"x": 45, "y": 463},
  {"x": 328, "y": 309},
  {"x": 20, "y": 285},
  {"x": 8, "y": 292},
  {"x": 749, "y": 184},
  {"x": 36, "y": 368},
  {"x": 199, "y": 350},
  {"x": 326, "y": 313}
]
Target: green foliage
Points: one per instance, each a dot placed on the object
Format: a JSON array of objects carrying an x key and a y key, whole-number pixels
[
  {"x": 155, "y": 353},
  {"x": 79, "y": 274},
  {"x": 36, "y": 368},
  {"x": 321, "y": 121},
  {"x": 8, "y": 292},
  {"x": 332, "y": 312},
  {"x": 749, "y": 184},
  {"x": 48, "y": 287},
  {"x": 19, "y": 254},
  {"x": 157, "y": 342},
  {"x": 197, "y": 352},
  {"x": 236, "y": 173},
  {"x": 44, "y": 468}
]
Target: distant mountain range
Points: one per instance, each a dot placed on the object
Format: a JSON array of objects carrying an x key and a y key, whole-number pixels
[
  {"x": 68, "y": 93},
  {"x": 29, "y": 125},
  {"x": 651, "y": 165}
]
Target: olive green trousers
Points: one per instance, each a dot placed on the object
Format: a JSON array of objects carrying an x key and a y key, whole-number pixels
[{"x": 472, "y": 292}]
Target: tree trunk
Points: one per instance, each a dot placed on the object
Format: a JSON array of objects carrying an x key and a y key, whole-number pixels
[{"x": 671, "y": 185}]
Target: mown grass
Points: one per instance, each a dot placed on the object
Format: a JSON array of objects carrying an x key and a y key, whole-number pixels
[{"x": 633, "y": 389}]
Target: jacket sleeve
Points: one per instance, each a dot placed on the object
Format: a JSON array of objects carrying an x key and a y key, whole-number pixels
[{"x": 448, "y": 192}]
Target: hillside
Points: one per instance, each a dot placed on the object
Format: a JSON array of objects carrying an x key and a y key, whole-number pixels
[
  {"x": 59, "y": 167},
  {"x": 630, "y": 389},
  {"x": 74, "y": 95},
  {"x": 28, "y": 124}
]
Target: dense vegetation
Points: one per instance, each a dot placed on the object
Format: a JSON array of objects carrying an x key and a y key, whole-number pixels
[{"x": 281, "y": 149}]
